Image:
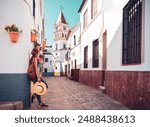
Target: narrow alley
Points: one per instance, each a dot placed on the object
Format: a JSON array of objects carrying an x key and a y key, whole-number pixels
[{"x": 65, "y": 94}]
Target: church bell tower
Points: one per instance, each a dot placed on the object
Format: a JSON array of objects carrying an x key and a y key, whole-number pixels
[{"x": 61, "y": 33}]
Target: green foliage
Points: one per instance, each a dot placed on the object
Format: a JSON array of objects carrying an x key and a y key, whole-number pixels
[
  {"x": 33, "y": 31},
  {"x": 12, "y": 28}
]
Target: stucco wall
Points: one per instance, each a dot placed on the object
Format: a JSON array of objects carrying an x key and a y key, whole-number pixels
[
  {"x": 75, "y": 49},
  {"x": 15, "y": 56},
  {"x": 90, "y": 34},
  {"x": 114, "y": 39}
]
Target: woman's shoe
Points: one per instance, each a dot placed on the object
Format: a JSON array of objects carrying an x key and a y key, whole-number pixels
[{"x": 43, "y": 105}]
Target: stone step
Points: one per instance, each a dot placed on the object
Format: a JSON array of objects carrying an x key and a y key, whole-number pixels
[{"x": 17, "y": 105}]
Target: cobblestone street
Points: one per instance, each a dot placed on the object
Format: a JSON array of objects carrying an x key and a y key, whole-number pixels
[{"x": 66, "y": 94}]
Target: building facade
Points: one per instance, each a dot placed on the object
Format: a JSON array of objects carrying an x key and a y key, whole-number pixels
[
  {"x": 48, "y": 69},
  {"x": 91, "y": 18},
  {"x": 26, "y": 15},
  {"x": 115, "y": 49},
  {"x": 73, "y": 64}
]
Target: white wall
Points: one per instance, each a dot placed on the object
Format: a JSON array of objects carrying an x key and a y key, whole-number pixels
[
  {"x": 15, "y": 57},
  {"x": 60, "y": 44},
  {"x": 86, "y": 6},
  {"x": 110, "y": 20},
  {"x": 91, "y": 33},
  {"x": 114, "y": 40},
  {"x": 60, "y": 55},
  {"x": 49, "y": 65},
  {"x": 75, "y": 49},
  {"x": 39, "y": 17}
]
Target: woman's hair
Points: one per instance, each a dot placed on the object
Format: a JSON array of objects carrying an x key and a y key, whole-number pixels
[
  {"x": 41, "y": 56},
  {"x": 34, "y": 52},
  {"x": 39, "y": 46}
]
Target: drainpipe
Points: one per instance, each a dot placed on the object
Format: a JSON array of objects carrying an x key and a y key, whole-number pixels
[
  {"x": 30, "y": 11},
  {"x": 102, "y": 30}
]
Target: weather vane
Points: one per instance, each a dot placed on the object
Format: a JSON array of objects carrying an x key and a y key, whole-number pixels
[{"x": 61, "y": 7}]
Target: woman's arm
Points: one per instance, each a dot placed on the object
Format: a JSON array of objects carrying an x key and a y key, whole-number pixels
[
  {"x": 41, "y": 70},
  {"x": 36, "y": 69}
]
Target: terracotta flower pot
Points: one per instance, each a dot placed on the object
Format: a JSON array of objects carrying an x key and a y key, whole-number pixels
[
  {"x": 33, "y": 37},
  {"x": 14, "y": 36}
]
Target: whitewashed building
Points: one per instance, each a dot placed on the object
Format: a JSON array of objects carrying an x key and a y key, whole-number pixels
[
  {"x": 91, "y": 18},
  {"x": 73, "y": 55},
  {"x": 48, "y": 69},
  {"x": 26, "y": 15},
  {"x": 115, "y": 49}
]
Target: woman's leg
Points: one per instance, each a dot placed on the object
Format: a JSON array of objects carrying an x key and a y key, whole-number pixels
[
  {"x": 36, "y": 95},
  {"x": 33, "y": 97},
  {"x": 39, "y": 98},
  {"x": 45, "y": 83}
]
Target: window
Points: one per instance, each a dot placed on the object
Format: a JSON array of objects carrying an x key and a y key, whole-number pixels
[
  {"x": 57, "y": 34},
  {"x": 86, "y": 57},
  {"x": 71, "y": 64},
  {"x": 74, "y": 40},
  {"x": 45, "y": 50},
  {"x": 56, "y": 46},
  {"x": 85, "y": 19},
  {"x": 62, "y": 34},
  {"x": 64, "y": 46},
  {"x": 34, "y": 8},
  {"x": 95, "y": 60},
  {"x": 68, "y": 68},
  {"x": 56, "y": 28},
  {"x": 45, "y": 69},
  {"x": 46, "y": 59},
  {"x": 64, "y": 28},
  {"x": 132, "y": 25},
  {"x": 51, "y": 62},
  {"x": 93, "y": 8}
]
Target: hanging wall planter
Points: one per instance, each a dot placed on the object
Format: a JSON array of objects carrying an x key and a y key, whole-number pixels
[
  {"x": 13, "y": 32},
  {"x": 14, "y": 36},
  {"x": 33, "y": 35}
]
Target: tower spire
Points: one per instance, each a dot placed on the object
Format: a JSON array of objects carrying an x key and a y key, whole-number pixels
[
  {"x": 61, "y": 8},
  {"x": 61, "y": 17}
]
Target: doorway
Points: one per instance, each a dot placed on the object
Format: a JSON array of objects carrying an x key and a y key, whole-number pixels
[
  {"x": 104, "y": 57},
  {"x": 65, "y": 70}
]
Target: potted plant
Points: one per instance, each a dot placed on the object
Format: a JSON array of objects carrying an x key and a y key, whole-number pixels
[
  {"x": 13, "y": 32},
  {"x": 44, "y": 43},
  {"x": 33, "y": 35}
]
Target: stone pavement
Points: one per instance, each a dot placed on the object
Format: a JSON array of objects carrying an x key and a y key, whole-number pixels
[{"x": 65, "y": 94}]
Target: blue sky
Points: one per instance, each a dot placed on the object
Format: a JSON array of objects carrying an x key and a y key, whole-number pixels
[{"x": 52, "y": 10}]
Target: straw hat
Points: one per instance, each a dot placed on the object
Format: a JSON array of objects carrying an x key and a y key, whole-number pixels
[{"x": 39, "y": 88}]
